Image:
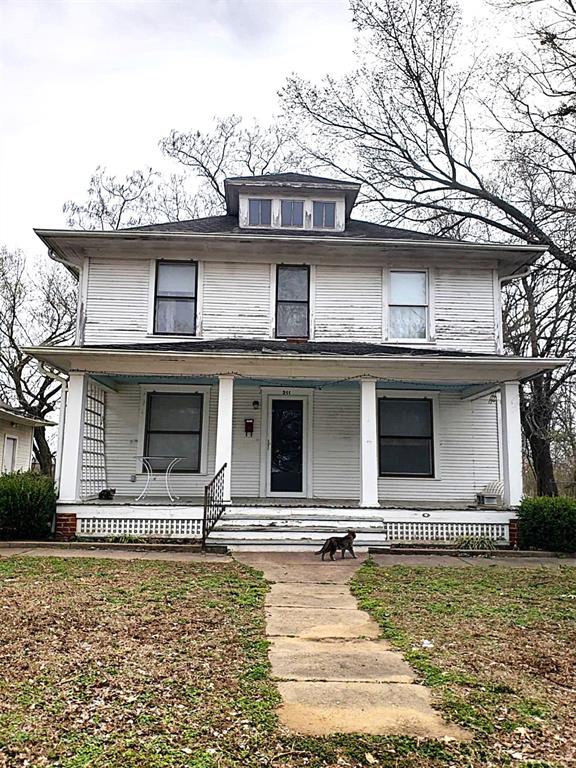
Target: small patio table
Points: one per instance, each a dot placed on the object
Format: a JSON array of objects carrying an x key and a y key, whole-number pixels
[{"x": 146, "y": 461}]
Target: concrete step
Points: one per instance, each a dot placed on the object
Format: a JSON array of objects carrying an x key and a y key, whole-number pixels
[
  {"x": 326, "y": 527},
  {"x": 372, "y": 538}
]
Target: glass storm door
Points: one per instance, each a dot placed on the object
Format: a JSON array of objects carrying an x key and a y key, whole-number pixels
[{"x": 287, "y": 446}]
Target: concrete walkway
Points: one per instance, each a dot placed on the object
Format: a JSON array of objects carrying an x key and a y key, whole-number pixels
[{"x": 333, "y": 672}]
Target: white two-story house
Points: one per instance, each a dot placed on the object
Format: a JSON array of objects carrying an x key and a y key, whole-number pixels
[{"x": 316, "y": 372}]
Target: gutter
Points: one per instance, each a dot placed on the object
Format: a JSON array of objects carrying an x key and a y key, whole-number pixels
[
  {"x": 86, "y": 351},
  {"x": 134, "y": 235}
]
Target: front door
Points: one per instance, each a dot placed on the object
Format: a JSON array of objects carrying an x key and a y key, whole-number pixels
[{"x": 286, "y": 466}]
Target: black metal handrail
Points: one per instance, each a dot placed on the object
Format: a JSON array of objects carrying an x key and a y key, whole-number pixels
[{"x": 213, "y": 503}]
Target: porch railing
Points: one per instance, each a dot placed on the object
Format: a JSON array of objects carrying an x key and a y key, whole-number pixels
[{"x": 213, "y": 503}]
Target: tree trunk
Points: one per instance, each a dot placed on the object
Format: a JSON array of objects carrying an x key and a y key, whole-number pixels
[
  {"x": 543, "y": 465},
  {"x": 536, "y": 413},
  {"x": 42, "y": 452}
]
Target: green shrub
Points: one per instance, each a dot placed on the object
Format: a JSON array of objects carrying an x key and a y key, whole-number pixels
[
  {"x": 546, "y": 522},
  {"x": 27, "y": 505}
]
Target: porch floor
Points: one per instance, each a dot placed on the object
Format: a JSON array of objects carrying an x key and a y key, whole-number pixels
[{"x": 198, "y": 501}]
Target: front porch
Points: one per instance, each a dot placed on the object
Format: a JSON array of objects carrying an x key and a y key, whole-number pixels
[{"x": 399, "y": 448}]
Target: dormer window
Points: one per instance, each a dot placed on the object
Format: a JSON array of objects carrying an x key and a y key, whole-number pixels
[
  {"x": 259, "y": 213},
  {"x": 324, "y": 215},
  {"x": 292, "y": 213}
]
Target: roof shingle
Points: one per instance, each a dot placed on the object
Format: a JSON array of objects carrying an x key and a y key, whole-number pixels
[{"x": 227, "y": 224}]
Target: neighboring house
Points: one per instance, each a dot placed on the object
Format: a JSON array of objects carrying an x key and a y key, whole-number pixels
[
  {"x": 16, "y": 439},
  {"x": 330, "y": 372}
]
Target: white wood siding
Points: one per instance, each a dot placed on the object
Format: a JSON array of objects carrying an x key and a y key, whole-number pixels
[
  {"x": 336, "y": 451},
  {"x": 117, "y": 301},
  {"x": 465, "y": 315},
  {"x": 467, "y": 460},
  {"x": 24, "y": 435},
  {"x": 124, "y": 425},
  {"x": 236, "y": 301},
  {"x": 348, "y": 304},
  {"x": 468, "y": 457},
  {"x": 246, "y": 450}
]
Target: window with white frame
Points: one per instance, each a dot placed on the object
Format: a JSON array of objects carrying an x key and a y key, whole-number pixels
[
  {"x": 173, "y": 430},
  {"x": 259, "y": 213},
  {"x": 292, "y": 301},
  {"x": 408, "y": 305},
  {"x": 292, "y": 213},
  {"x": 406, "y": 442},
  {"x": 323, "y": 215},
  {"x": 175, "y": 298}
]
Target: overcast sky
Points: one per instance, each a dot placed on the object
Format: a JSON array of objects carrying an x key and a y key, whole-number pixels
[
  {"x": 86, "y": 83},
  {"x": 89, "y": 82}
]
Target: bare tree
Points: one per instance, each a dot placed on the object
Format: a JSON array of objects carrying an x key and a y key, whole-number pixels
[
  {"x": 33, "y": 311},
  {"x": 207, "y": 158},
  {"x": 440, "y": 134}
]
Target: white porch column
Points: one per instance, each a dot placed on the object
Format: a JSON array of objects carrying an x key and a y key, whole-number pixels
[
  {"x": 368, "y": 444},
  {"x": 511, "y": 443},
  {"x": 71, "y": 457},
  {"x": 224, "y": 431}
]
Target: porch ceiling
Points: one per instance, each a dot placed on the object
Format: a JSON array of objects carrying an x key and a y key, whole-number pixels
[{"x": 458, "y": 371}]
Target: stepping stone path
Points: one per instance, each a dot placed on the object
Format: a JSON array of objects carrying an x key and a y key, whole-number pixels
[{"x": 334, "y": 673}]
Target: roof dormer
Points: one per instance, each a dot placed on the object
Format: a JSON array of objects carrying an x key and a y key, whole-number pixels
[{"x": 290, "y": 201}]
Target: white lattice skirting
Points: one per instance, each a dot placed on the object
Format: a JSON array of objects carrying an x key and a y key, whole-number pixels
[
  {"x": 423, "y": 532},
  {"x": 118, "y": 526}
]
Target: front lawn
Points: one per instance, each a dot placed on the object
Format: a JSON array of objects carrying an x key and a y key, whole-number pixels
[
  {"x": 498, "y": 647},
  {"x": 143, "y": 664}
]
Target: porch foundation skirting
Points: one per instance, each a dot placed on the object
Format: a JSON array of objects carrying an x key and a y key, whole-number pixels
[
  {"x": 274, "y": 526},
  {"x": 66, "y": 526}
]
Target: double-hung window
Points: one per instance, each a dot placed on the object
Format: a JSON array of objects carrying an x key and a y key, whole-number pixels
[
  {"x": 292, "y": 213},
  {"x": 292, "y": 302},
  {"x": 175, "y": 299},
  {"x": 406, "y": 437},
  {"x": 323, "y": 215},
  {"x": 259, "y": 213},
  {"x": 173, "y": 430},
  {"x": 408, "y": 305}
]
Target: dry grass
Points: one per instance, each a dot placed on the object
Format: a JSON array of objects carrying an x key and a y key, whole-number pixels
[
  {"x": 142, "y": 664},
  {"x": 503, "y": 655}
]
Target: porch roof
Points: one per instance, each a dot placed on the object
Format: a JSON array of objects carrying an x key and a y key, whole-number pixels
[{"x": 286, "y": 361}]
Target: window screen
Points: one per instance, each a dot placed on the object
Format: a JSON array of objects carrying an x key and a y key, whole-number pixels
[
  {"x": 406, "y": 442},
  {"x": 260, "y": 213},
  {"x": 292, "y": 302},
  {"x": 408, "y": 305},
  {"x": 324, "y": 215},
  {"x": 175, "y": 303},
  {"x": 292, "y": 213},
  {"x": 174, "y": 429}
]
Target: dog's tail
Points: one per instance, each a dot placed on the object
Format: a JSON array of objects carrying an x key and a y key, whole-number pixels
[{"x": 320, "y": 551}]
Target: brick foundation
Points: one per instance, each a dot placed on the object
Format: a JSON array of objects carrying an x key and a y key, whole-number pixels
[
  {"x": 513, "y": 534},
  {"x": 65, "y": 526}
]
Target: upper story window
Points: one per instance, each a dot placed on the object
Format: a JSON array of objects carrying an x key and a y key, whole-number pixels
[
  {"x": 324, "y": 215},
  {"x": 292, "y": 213},
  {"x": 175, "y": 298},
  {"x": 260, "y": 213},
  {"x": 406, "y": 437},
  {"x": 292, "y": 302},
  {"x": 408, "y": 305}
]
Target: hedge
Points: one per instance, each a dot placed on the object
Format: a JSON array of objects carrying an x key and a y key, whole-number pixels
[
  {"x": 27, "y": 505},
  {"x": 546, "y": 522}
]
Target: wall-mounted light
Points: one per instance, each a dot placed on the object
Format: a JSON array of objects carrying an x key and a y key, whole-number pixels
[{"x": 256, "y": 404}]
